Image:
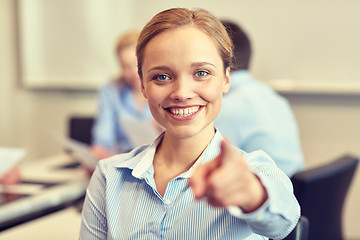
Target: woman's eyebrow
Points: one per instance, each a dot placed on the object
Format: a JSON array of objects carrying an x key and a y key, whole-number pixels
[
  {"x": 159, "y": 68},
  {"x": 200, "y": 64}
]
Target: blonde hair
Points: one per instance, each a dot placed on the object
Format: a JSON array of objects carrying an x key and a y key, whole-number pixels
[
  {"x": 176, "y": 17},
  {"x": 126, "y": 40}
]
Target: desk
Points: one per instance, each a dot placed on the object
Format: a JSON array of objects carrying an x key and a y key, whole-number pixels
[{"x": 66, "y": 186}]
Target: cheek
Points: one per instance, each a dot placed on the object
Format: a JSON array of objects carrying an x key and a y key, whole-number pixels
[
  {"x": 154, "y": 95},
  {"x": 211, "y": 93}
]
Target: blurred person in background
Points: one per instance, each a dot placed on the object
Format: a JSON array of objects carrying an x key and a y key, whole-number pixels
[
  {"x": 253, "y": 116},
  {"x": 120, "y": 98}
]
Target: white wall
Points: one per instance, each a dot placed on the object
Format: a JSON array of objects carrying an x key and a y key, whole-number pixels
[
  {"x": 30, "y": 118},
  {"x": 329, "y": 125},
  {"x": 302, "y": 40}
]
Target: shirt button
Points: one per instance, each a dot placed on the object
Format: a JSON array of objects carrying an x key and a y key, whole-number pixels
[{"x": 167, "y": 202}]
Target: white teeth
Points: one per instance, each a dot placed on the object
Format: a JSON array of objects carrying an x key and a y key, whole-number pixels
[{"x": 184, "y": 112}]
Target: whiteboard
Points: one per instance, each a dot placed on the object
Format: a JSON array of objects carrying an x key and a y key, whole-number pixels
[{"x": 69, "y": 44}]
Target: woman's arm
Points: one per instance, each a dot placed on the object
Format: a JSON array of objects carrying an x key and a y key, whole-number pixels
[
  {"x": 93, "y": 222},
  {"x": 252, "y": 188}
]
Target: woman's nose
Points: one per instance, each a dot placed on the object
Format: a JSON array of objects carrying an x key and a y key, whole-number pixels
[{"x": 182, "y": 89}]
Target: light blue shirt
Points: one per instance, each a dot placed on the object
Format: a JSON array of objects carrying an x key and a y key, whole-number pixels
[
  {"x": 253, "y": 116},
  {"x": 116, "y": 102},
  {"x": 122, "y": 202}
]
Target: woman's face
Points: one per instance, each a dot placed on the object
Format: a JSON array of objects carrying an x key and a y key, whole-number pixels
[
  {"x": 128, "y": 64},
  {"x": 183, "y": 80}
]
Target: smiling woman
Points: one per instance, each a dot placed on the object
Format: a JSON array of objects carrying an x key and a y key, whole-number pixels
[
  {"x": 182, "y": 79},
  {"x": 190, "y": 178}
]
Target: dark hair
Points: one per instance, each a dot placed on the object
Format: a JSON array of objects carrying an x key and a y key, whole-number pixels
[
  {"x": 177, "y": 17},
  {"x": 241, "y": 43}
]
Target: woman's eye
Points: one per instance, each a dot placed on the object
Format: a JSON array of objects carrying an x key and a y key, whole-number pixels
[
  {"x": 201, "y": 74},
  {"x": 161, "y": 77}
]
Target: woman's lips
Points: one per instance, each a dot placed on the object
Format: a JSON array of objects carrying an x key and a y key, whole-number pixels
[{"x": 183, "y": 113}]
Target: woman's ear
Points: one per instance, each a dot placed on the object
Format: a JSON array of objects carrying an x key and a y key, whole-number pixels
[
  {"x": 227, "y": 83},
  {"x": 143, "y": 88}
]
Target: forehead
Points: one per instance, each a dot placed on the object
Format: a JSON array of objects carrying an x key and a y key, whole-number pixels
[
  {"x": 185, "y": 40},
  {"x": 179, "y": 34}
]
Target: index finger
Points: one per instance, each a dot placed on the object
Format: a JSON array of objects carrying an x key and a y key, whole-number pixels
[{"x": 199, "y": 178}]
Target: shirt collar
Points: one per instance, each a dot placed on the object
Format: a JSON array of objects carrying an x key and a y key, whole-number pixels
[{"x": 141, "y": 159}]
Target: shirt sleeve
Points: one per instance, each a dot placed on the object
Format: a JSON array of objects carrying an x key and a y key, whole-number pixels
[
  {"x": 277, "y": 217},
  {"x": 104, "y": 129},
  {"x": 93, "y": 221}
]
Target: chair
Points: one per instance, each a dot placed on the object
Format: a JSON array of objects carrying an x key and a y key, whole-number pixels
[
  {"x": 79, "y": 128},
  {"x": 321, "y": 192},
  {"x": 301, "y": 230}
]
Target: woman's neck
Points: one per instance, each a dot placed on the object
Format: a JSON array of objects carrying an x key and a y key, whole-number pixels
[
  {"x": 176, "y": 155},
  {"x": 183, "y": 152}
]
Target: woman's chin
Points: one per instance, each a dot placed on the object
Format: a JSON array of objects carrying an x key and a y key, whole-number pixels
[{"x": 183, "y": 132}]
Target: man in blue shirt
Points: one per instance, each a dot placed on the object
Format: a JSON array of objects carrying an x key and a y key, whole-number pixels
[{"x": 253, "y": 116}]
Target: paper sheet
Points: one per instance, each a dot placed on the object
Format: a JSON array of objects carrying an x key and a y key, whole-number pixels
[
  {"x": 139, "y": 132},
  {"x": 9, "y": 157}
]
